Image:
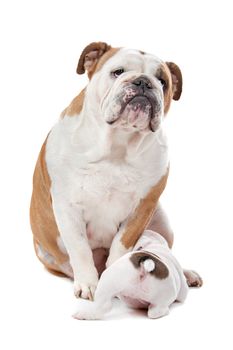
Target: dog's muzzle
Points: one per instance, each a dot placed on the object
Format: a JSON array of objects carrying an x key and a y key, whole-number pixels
[{"x": 140, "y": 106}]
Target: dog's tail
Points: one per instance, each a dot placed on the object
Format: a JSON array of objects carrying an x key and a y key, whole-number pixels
[{"x": 150, "y": 262}]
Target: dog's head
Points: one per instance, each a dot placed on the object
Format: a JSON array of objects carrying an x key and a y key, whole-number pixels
[{"x": 130, "y": 89}]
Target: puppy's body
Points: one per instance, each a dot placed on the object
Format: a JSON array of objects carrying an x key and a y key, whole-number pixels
[{"x": 148, "y": 277}]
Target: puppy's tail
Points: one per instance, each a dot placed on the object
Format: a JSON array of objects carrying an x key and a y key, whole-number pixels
[{"x": 150, "y": 262}]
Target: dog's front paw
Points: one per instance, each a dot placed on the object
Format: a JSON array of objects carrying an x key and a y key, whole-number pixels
[{"x": 85, "y": 288}]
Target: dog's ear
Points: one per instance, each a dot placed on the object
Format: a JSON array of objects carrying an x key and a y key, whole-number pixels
[
  {"x": 176, "y": 79},
  {"x": 90, "y": 56}
]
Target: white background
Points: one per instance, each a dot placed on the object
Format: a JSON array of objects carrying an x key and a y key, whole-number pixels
[{"x": 40, "y": 45}]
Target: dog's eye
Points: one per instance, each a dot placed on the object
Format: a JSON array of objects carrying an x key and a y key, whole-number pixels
[
  {"x": 117, "y": 72},
  {"x": 163, "y": 83}
]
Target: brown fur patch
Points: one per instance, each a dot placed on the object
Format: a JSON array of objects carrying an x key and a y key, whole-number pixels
[
  {"x": 42, "y": 219},
  {"x": 160, "y": 271},
  {"x": 106, "y": 57},
  {"x": 164, "y": 73},
  {"x": 75, "y": 106},
  {"x": 90, "y": 56},
  {"x": 143, "y": 213},
  {"x": 177, "y": 80}
]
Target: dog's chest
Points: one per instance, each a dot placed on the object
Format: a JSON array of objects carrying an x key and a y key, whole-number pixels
[
  {"x": 108, "y": 194},
  {"x": 104, "y": 192}
]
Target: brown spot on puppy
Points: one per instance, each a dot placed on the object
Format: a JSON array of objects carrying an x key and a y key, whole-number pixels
[{"x": 160, "y": 271}]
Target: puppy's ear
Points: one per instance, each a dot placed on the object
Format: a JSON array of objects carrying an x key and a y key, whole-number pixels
[
  {"x": 90, "y": 56},
  {"x": 176, "y": 79}
]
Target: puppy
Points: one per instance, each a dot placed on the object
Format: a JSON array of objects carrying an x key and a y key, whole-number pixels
[{"x": 148, "y": 277}]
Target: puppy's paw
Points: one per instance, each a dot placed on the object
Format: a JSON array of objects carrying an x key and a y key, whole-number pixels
[
  {"x": 87, "y": 310},
  {"x": 193, "y": 278},
  {"x": 157, "y": 312}
]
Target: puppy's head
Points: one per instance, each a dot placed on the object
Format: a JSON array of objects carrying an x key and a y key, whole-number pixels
[{"x": 129, "y": 89}]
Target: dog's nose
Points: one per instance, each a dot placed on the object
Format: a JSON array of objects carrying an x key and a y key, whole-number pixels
[{"x": 143, "y": 82}]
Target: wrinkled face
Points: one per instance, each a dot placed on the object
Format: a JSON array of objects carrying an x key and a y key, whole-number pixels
[{"x": 133, "y": 90}]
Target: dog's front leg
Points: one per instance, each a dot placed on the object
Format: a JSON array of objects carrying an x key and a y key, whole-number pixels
[
  {"x": 118, "y": 248},
  {"x": 133, "y": 227},
  {"x": 72, "y": 229}
]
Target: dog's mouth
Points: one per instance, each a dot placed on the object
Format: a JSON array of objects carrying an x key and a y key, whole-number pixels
[
  {"x": 139, "y": 103},
  {"x": 138, "y": 112}
]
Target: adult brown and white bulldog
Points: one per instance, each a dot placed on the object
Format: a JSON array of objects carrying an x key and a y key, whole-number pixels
[{"x": 104, "y": 165}]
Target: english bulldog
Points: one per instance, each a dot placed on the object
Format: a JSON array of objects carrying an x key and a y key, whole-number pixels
[
  {"x": 104, "y": 165},
  {"x": 149, "y": 277}
]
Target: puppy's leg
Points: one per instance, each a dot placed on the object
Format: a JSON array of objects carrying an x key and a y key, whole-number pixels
[
  {"x": 113, "y": 281},
  {"x": 72, "y": 229},
  {"x": 92, "y": 310},
  {"x": 157, "y": 311},
  {"x": 193, "y": 278},
  {"x": 160, "y": 223},
  {"x": 105, "y": 291},
  {"x": 183, "y": 289}
]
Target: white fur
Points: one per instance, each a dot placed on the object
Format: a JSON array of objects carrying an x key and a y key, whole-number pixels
[
  {"x": 98, "y": 172},
  {"x": 149, "y": 265},
  {"x": 61, "y": 245}
]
